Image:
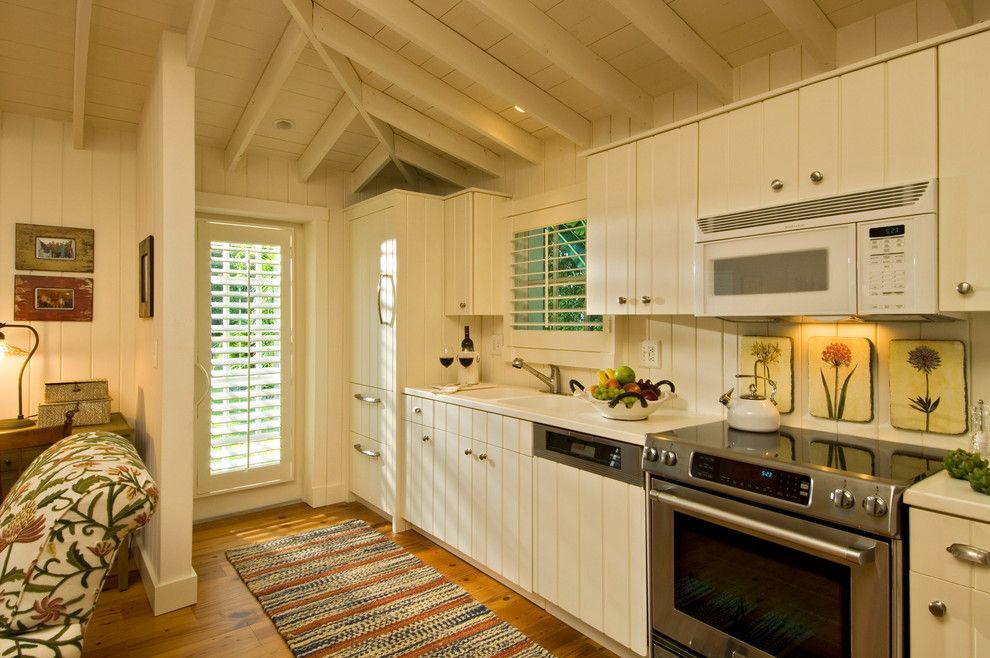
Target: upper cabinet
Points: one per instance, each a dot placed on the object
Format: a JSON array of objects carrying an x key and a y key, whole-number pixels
[
  {"x": 642, "y": 201},
  {"x": 474, "y": 245},
  {"x": 963, "y": 195},
  {"x": 868, "y": 128}
]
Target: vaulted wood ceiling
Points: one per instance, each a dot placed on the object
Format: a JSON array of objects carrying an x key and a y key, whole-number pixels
[{"x": 429, "y": 85}]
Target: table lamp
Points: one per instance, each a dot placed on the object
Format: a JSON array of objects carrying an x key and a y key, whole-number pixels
[{"x": 9, "y": 351}]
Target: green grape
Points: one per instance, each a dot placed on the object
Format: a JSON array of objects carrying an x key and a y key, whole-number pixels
[{"x": 961, "y": 463}]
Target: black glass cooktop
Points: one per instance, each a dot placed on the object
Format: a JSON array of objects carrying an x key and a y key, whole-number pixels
[{"x": 896, "y": 461}]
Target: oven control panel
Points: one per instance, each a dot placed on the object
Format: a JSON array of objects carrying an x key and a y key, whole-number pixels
[{"x": 761, "y": 479}]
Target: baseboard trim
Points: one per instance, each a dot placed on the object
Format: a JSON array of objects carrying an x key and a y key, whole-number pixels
[
  {"x": 165, "y": 596},
  {"x": 327, "y": 494}
]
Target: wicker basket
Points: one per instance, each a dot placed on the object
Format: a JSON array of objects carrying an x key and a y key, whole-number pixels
[
  {"x": 86, "y": 389},
  {"x": 89, "y": 412}
]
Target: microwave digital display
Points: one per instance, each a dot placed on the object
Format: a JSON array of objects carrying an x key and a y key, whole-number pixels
[{"x": 886, "y": 231}]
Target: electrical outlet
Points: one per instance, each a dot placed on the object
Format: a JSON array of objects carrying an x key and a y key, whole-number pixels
[{"x": 649, "y": 353}]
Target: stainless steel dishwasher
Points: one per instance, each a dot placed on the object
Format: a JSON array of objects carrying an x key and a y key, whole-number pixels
[{"x": 585, "y": 452}]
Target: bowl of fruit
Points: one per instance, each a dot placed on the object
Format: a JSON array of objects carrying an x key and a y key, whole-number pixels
[{"x": 620, "y": 396}]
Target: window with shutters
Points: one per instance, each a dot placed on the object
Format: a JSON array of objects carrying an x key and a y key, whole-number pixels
[{"x": 245, "y": 349}]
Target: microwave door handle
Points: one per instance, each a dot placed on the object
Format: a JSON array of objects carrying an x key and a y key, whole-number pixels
[{"x": 847, "y": 554}]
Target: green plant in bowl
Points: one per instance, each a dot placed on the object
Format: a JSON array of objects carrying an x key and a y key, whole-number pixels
[{"x": 961, "y": 463}]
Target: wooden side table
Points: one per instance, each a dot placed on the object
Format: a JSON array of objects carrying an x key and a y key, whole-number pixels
[{"x": 19, "y": 447}]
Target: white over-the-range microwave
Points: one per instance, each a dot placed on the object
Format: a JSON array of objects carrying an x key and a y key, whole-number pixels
[{"x": 860, "y": 256}]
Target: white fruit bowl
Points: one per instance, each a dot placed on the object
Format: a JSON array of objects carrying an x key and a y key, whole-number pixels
[{"x": 621, "y": 412}]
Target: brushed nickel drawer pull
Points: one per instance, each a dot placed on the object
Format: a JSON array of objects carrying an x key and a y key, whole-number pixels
[
  {"x": 968, "y": 553},
  {"x": 367, "y": 398},
  {"x": 367, "y": 453}
]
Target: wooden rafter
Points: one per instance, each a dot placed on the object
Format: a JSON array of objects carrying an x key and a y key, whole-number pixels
[
  {"x": 664, "y": 27},
  {"x": 84, "y": 14},
  {"x": 809, "y": 25},
  {"x": 370, "y": 167},
  {"x": 446, "y": 44},
  {"x": 283, "y": 59},
  {"x": 544, "y": 35},
  {"x": 351, "y": 42},
  {"x": 429, "y": 161},
  {"x": 327, "y": 136},
  {"x": 199, "y": 26}
]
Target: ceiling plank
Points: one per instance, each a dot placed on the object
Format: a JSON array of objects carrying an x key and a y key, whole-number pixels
[
  {"x": 326, "y": 137},
  {"x": 283, "y": 59},
  {"x": 84, "y": 15},
  {"x": 435, "y": 37},
  {"x": 809, "y": 25},
  {"x": 343, "y": 71},
  {"x": 547, "y": 37},
  {"x": 664, "y": 27},
  {"x": 430, "y": 162},
  {"x": 430, "y": 131},
  {"x": 350, "y": 41},
  {"x": 199, "y": 26},
  {"x": 370, "y": 167},
  {"x": 961, "y": 12}
]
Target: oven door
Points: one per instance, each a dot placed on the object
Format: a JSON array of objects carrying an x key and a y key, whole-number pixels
[
  {"x": 810, "y": 272},
  {"x": 737, "y": 580}
]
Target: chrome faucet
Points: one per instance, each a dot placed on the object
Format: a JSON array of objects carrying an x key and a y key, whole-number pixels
[{"x": 552, "y": 382}]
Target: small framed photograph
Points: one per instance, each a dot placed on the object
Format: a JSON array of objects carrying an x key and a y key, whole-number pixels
[
  {"x": 53, "y": 298},
  {"x": 146, "y": 269},
  {"x": 53, "y": 248}
]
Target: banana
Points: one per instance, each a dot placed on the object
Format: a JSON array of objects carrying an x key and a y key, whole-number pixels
[
  {"x": 602, "y": 376},
  {"x": 610, "y": 372}
]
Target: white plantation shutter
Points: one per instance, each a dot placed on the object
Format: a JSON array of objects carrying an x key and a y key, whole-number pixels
[{"x": 249, "y": 315}]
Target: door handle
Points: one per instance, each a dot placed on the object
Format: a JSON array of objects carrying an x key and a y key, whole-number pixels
[
  {"x": 382, "y": 279},
  {"x": 968, "y": 553},
  {"x": 209, "y": 385},
  {"x": 367, "y": 453},
  {"x": 367, "y": 398}
]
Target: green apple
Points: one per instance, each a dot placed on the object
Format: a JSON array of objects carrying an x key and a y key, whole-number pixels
[{"x": 625, "y": 375}]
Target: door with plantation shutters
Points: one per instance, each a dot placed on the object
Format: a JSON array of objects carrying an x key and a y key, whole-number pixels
[{"x": 244, "y": 348}]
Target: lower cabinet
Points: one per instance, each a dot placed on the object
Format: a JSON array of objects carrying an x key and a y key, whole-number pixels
[
  {"x": 369, "y": 471},
  {"x": 591, "y": 550}
]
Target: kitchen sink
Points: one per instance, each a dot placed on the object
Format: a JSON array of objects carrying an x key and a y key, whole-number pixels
[
  {"x": 497, "y": 393},
  {"x": 548, "y": 403}
]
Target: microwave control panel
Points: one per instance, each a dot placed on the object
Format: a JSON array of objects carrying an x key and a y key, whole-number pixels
[{"x": 897, "y": 265}]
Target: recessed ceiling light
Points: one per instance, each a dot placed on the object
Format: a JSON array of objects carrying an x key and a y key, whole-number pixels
[
  {"x": 284, "y": 124},
  {"x": 519, "y": 109}
]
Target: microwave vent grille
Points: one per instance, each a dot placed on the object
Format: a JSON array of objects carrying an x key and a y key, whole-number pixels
[{"x": 897, "y": 196}]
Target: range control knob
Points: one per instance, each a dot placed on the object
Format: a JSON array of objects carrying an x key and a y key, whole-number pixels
[
  {"x": 668, "y": 457},
  {"x": 875, "y": 505},
  {"x": 650, "y": 454},
  {"x": 842, "y": 499}
]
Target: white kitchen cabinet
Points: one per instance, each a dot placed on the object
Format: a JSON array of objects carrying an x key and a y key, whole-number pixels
[
  {"x": 590, "y": 550},
  {"x": 369, "y": 471},
  {"x": 474, "y": 246},
  {"x": 818, "y": 139},
  {"x": 948, "y": 635},
  {"x": 963, "y": 195},
  {"x": 642, "y": 201}
]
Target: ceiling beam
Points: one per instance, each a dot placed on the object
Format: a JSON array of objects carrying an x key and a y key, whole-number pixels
[
  {"x": 350, "y": 41},
  {"x": 430, "y": 162},
  {"x": 430, "y": 131},
  {"x": 199, "y": 26},
  {"x": 327, "y": 136},
  {"x": 370, "y": 167},
  {"x": 664, "y": 27},
  {"x": 809, "y": 25},
  {"x": 544, "y": 35},
  {"x": 286, "y": 54},
  {"x": 84, "y": 15},
  {"x": 961, "y": 12},
  {"x": 446, "y": 44},
  {"x": 343, "y": 71}
]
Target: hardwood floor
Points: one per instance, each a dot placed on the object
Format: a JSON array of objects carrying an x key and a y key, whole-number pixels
[{"x": 228, "y": 621}]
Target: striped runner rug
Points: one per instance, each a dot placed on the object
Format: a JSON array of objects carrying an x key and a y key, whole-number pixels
[{"x": 350, "y": 591}]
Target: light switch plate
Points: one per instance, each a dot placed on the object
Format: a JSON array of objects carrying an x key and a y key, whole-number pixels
[
  {"x": 649, "y": 353},
  {"x": 496, "y": 344}
]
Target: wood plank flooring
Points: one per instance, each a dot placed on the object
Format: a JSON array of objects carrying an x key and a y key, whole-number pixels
[{"x": 228, "y": 621}]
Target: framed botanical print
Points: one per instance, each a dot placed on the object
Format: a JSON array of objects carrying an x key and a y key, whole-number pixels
[{"x": 53, "y": 248}]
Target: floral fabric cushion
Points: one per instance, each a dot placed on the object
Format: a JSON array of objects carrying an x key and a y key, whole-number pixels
[{"x": 60, "y": 528}]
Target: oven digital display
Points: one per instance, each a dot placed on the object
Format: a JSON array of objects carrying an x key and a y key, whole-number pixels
[{"x": 784, "y": 485}]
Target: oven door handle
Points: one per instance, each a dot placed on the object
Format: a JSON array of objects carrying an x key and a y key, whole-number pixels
[{"x": 847, "y": 554}]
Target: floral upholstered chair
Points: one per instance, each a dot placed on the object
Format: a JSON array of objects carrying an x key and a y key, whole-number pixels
[{"x": 60, "y": 528}]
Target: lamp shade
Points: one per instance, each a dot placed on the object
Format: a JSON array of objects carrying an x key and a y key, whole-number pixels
[{"x": 6, "y": 349}]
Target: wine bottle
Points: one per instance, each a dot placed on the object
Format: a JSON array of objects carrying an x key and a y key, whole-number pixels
[{"x": 467, "y": 345}]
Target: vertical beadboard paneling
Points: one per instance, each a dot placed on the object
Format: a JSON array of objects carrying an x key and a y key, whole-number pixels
[
  {"x": 78, "y": 196},
  {"x": 104, "y": 359},
  {"x": 128, "y": 271}
]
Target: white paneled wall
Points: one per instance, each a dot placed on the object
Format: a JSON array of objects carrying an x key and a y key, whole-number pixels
[{"x": 43, "y": 180}]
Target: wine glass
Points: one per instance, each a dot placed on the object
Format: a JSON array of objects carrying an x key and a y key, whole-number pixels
[{"x": 446, "y": 358}]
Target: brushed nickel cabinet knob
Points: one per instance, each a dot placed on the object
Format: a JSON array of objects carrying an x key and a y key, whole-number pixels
[
  {"x": 463, "y": 304},
  {"x": 646, "y": 299},
  {"x": 425, "y": 438},
  {"x": 621, "y": 300},
  {"x": 468, "y": 451},
  {"x": 776, "y": 185},
  {"x": 483, "y": 456},
  {"x": 937, "y": 608},
  {"x": 964, "y": 287},
  {"x": 816, "y": 176}
]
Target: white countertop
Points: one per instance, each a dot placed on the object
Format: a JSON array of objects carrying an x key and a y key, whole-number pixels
[
  {"x": 585, "y": 420},
  {"x": 941, "y": 493}
]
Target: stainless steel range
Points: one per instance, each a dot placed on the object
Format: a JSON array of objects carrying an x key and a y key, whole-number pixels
[{"x": 785, "y": 543}]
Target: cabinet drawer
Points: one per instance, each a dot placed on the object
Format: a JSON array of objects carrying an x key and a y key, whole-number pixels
[
  {"x": 418, "y": 410},
  {"x": 948, "y": 635},
  {"x": 931, "y": 536},
  {"x": 369, "y": 409},
  {"x": 9, "y": 461},
  {"x": 368, "y": 465}
]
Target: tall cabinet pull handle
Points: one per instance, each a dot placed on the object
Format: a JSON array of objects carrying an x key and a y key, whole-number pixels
[
  {"x": 968, "y": 553},
  {"x": 383, "y": 280},
  {"x": 367, "y": 398},
  {"x": 367, "y": 453}
]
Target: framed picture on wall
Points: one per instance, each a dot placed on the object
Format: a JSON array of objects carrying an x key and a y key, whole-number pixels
[
  {"x": 53, "y": 248},
  {"x": 146, "y": 269},
  {"x": 53, "y": 298}
]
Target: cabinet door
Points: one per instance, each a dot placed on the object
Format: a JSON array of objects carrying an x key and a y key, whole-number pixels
[
  {"x": 457, "y": 253},
  {"x": 442, "y": 487},
  {"x": 912, "y": 117},
  {"x": 478, "y": 496},
  {"x": 862, "y": 131},
  {"x": 425, "y": 446},
  {"x": 948, "y": 635},
  {"x": 611, "y": 228},
  {"x": 981, "y": 624},
  {"x": 818, "y": 139},
  {"x": 465, "y": 502},
  {"x": 494, "y": 500},
  {"x": 516, "y": 528},
  {"x": 713, "y": 166},
  {"x": 452, "y": 488},
  {"x": 745, "y": 158},
  {"x": 414, "y": 466},
  {"x": 780, "y": 150},
  {"x": 545, "y": 544},
  {"x": 963, "y": 196}
]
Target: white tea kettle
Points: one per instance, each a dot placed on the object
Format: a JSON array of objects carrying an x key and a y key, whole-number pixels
[{"x": 752, "y": 412}]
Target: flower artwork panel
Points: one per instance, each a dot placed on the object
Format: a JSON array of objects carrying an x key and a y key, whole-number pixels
[
  {"x": 928, "y": 386},
  {"x": 771, "y": 357},
  {"x": 840, "y": 378}
]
